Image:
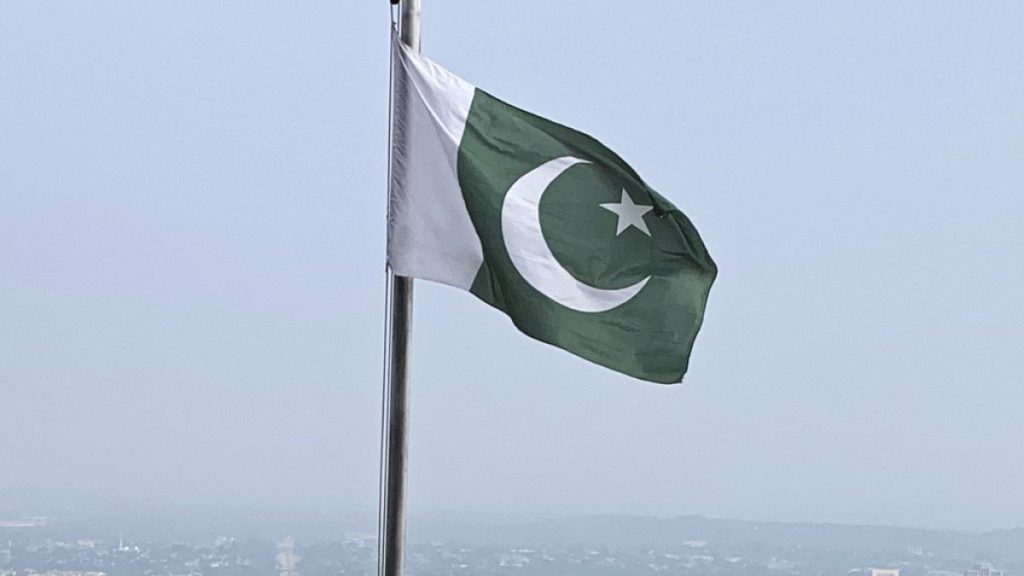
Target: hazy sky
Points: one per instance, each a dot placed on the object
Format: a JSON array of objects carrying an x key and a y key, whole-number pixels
[{"x": 192, "y": 243}]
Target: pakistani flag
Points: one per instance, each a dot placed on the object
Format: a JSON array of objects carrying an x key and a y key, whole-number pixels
[{"x": 542, "y": 222}]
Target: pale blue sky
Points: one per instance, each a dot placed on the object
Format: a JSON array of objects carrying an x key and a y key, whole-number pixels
[{"x": 192, "y": 240}]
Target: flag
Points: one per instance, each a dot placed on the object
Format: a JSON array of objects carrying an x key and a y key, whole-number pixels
[{"x": 542, "y": 222}]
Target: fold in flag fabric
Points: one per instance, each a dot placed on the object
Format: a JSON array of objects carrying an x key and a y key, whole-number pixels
[{"x": 542, "y": 222}]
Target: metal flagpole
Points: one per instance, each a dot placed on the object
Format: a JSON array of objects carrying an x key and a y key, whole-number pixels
[{"x": 392, "y": 549}]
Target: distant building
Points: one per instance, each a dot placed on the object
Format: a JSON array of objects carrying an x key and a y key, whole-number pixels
[
  {"x": 983, "y": 569},
  {"x": 885, "y": 572},
  {"x": 287, "y": 559}
]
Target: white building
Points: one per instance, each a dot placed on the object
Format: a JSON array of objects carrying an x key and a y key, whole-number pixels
[{"x": 287, "y": 559}]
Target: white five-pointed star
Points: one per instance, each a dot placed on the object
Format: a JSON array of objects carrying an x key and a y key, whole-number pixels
[{"x": 629, "y": 214}]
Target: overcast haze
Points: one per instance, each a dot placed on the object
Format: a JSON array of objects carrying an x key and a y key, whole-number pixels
[{"x": 192, "y": 243}]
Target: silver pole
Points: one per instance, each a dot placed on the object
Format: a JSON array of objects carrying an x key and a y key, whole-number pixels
[
  {"x": 397, "y": 456},
  {"x": 410, "y": 32},
  {"x": 392, "y": 549}
]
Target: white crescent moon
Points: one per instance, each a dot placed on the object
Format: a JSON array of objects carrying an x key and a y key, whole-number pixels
[{"x": 531, "y": 255}]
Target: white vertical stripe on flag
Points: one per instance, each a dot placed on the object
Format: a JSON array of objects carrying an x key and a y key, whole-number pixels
[{"x": 430, "y": 235}]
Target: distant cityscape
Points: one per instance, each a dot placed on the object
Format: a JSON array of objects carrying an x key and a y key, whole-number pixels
[{"x": 29, "y": 548}]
